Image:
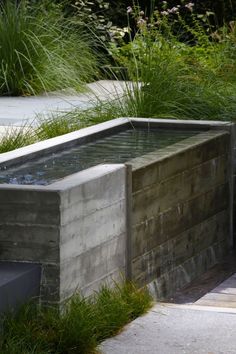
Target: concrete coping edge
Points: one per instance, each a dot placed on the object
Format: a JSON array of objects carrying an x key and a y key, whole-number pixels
[{"x": 66, "y": 138}]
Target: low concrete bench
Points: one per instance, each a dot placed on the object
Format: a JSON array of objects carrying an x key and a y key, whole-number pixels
[{"x": 19, "y": 282}]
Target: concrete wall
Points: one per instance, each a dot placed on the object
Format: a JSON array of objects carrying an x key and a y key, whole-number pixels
[
  {"x": 162, "y": 220},
  {"x": 30, "y": 232},
  {"x": 76, "y": 229},
  {"x": 181, "y": 214},
  {"x": 93, "y": 232}
]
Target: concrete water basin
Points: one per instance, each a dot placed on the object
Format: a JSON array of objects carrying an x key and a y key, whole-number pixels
[{"x": 160, "y": 216}]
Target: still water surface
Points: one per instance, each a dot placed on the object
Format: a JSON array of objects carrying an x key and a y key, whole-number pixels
[{"x": 117, "y": 148}]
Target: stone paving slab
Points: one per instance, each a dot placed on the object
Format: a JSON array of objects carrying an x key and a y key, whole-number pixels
[
  {"x": 12, "y": 129},
  {"x": 176, "y": 329},
  {"x": 224, "y": 295},
  {"x": 18, "y": 110},
  {"x": 204, "y": 326}
]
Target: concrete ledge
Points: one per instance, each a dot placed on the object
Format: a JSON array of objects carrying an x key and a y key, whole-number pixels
[
  {"x": 181, "y": 147},
  {"x": 100, "y": 130},
  {"x": 81, "y": 136},
  {"x": 183, "y": 123}
]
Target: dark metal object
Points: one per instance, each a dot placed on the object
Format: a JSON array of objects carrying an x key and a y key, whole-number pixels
[{"x": 19, "y": 282}]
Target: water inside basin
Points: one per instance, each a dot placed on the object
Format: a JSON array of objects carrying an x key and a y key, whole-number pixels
[{"x": 115, "y": 148}]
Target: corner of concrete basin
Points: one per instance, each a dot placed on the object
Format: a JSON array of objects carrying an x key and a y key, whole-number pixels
[
  {"x": 93, "y": 228},
  {"x": 30, "y": 232},
  {"x": 75, "y": 228},
  {"x": 84, "y": 176}
]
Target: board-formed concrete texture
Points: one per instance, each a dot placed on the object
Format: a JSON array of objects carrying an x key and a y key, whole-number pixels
[
  {"x": 161, "y": 219},
  {"x": 75, "y": 228},
  {"x": 181, "y": 214}
]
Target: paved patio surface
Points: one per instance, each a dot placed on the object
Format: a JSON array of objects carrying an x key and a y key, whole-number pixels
[
  {"x": 203, "y": 326},
  {"x": 223, "y": 295},
  {"x": 19, "y": 110},
  {"x": 175, "y": 329}
]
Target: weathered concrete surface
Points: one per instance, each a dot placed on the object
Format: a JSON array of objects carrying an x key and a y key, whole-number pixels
[
  {"x": 177, "y": 330},
  {"x": 30, "y": 232},
  {"x": 76, "y": 228},
  {"x": 206, "y": 282},
  {"x": 93, "y": 232},
  {"x": 181, "y": 211}
]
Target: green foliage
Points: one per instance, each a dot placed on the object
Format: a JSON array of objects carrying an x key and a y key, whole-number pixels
[
  {"x": 193, "y": 79},
  {"x": 83, "y": 324},
  {"x": 102, "y": 17},
  {"x": 111, "y": 311},
  {"x": 59, "y": 124},
  {"x": 180, "y": 79},
  {"x": 16, "y": 137},
  {"x": 39, "y": 50},
  {"x": 93, "y": 14},
  {"x": 56, "y": 125},
  {"x": 76, "y": 328}
]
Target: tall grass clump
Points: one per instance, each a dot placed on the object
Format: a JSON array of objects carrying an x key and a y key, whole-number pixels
[
  {"x": 40, "y": 50},
  {"x": 82, "y": 325},
  {"x": 46, "y": 127},
  {"x": 17, "y": 137},
  {"x": 182, "y": 66},
  {"x": 116, "y": 307},
  {"x": 56, "y": 125},
  {"x": 59, "y": 124}
]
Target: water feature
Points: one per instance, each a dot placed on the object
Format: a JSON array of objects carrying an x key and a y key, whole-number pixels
[
  {"x": 115, "y": 148},
  {"x": 159, "y": 220}
]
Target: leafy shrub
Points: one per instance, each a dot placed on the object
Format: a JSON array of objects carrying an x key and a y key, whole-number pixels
[{"x": 102, "y": 17}]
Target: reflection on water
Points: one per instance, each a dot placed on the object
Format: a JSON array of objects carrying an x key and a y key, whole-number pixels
[{"x": 117, "y": 148}]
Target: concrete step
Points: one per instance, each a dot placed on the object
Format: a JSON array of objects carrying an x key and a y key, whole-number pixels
[{"x": 19, "y": 282}]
